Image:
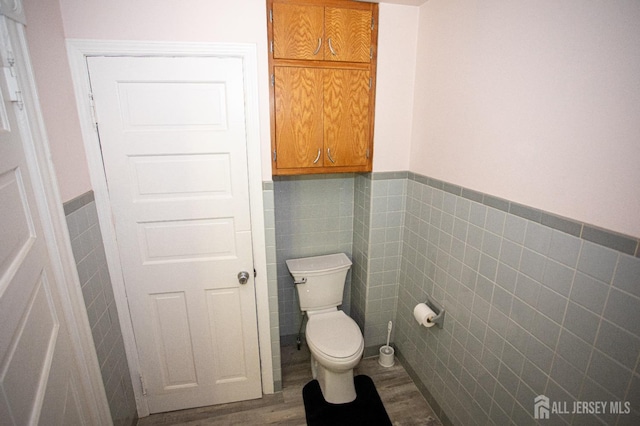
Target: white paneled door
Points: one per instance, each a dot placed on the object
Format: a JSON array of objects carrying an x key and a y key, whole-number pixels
[
  {"x": 172, "y": 132},
  {"x": 40, "y": 375}
]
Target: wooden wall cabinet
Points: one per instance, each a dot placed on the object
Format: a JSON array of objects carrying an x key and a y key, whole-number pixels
[
  {"x": 308, "y": 32},
  {"x": 322, "y": 62},
  {"x": 322, "y": 117}
]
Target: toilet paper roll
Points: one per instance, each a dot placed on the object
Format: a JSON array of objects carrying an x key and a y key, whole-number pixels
[{"x": 424, "y": 314}]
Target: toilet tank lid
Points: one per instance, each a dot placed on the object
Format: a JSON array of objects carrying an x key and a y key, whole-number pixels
[{"x": 316, "y": 264}]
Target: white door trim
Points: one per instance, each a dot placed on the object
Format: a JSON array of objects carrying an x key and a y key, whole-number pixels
[
  {"x": 56, "y": 235},
  {"x": 78, "y": 51}
]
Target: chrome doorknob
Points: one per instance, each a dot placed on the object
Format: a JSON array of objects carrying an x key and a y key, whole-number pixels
[{"x": 243, "y": 277}]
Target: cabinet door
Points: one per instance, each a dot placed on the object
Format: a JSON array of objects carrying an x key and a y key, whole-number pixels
[
  {"x": 298, "y": 31},
  {"x": 298, "y": 111},
  {"x": 348, "y": 35},
  {"x": 346, "y": 117}
]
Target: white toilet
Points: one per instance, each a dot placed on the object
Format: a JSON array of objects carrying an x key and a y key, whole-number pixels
[{"x": 334, "y": 339}]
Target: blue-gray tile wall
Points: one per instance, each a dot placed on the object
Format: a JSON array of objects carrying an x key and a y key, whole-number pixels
[
  {"x": 536, "y": 304},
  {"x": 361, "y": 231},
  {"x": 272, "y": 280},
  {"x": 88, "y": 251},
  {"x": 360, "y": 215},
  {"x": 384, "y": 247},
  {"x": 313, "y": 216}
]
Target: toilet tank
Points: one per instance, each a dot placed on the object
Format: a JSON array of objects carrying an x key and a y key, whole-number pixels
[{"x": 319, "y": 280}]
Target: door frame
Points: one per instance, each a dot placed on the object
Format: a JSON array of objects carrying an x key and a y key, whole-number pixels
[{"x": 78, "y": 50}]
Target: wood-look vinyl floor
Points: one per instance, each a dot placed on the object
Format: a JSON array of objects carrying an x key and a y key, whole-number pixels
[{"x": 400, "y": 396}]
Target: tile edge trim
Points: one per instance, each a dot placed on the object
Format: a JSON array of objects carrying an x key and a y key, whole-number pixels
[
  {"x": 622, "y": 243},
  {"x": 77, "y": 203},
  {"x": 613, "y": 240}
]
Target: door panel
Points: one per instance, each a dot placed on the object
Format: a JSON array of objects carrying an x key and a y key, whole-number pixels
[
  {"x": 14, "y": 208},
  {"x": 298, "y": 31},
  {"x": 298, "y": 99},
  {"x": 348, "y": 33},
  {"x": 148, "y": 105},
  {"x": 35, "y": 337},
  {"x": 192, "y": 174},
  {"x": 346, "y": 117},
  {"x": 187, "y": 240},
  {"x": 172, "y": 132},
  {"x": 173, "y": 339},
  {"x": 221, "y": 306}
]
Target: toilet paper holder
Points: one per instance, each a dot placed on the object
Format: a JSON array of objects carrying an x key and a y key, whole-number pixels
[{"x": 439, "y": 311}]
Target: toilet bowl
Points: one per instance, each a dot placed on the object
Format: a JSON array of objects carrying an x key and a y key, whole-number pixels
[
  {"x": 334, "y": 339},
  {"x": 336, "y": 347}
]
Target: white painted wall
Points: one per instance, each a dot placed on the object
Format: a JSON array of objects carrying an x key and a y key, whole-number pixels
[
  {"x": 45, "y": 36},
  {"x": 534, "y": 101},
  {"x": 240, "y": 21},
  {"x": 537, "y": 102},
  {"x": 397, "y": 42}
]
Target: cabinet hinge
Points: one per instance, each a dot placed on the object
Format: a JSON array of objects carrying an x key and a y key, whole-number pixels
[
  {"x": 367, "y": 153},
  {"x": 273, "y": 79},
  {"x": 370, "y": 82},
  {"x": 270, "y": 15},
  {"x": 371, "y": 52},
  {"x": 271, "y": 46},
  {"x": 144, "y": 388},
  {"x": 373, "y": 22},
  {"x": 275, "y": 156}
]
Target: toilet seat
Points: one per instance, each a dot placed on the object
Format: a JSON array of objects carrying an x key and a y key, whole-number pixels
[{"x": 334, "y": 335}]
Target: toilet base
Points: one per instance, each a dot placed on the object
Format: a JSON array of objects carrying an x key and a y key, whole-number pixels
[{"x": 337, "y": 387}]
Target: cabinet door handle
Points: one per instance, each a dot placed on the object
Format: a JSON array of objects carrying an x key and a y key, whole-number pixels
[
  {"x": 329, "y": 155},
  {"x": 333, "y": 52},
  {"x": 318, "y": 157},
  {"x": 318, "y": 48}
]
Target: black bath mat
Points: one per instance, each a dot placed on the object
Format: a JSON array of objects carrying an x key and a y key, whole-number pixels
[{"x": 366, "y": 409}]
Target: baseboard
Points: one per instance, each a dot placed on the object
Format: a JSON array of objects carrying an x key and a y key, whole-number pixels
[{"x": 424, "y": 390}]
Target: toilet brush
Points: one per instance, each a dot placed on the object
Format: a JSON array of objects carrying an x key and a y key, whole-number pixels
[
  {"x": 386, "y": 351},
  {"x": 389, "y": 332}
]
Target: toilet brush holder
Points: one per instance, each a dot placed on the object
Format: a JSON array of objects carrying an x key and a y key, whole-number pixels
[{"x": 386, "y": 356}]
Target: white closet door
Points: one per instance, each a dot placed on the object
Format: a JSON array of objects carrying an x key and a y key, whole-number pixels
[
  {"x": 172, "y": 132},
  {"x": 39, "y": 372}
]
